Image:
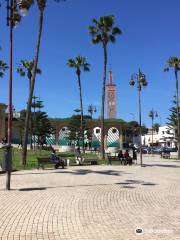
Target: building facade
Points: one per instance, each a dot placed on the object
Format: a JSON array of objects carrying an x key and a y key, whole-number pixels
[
  {"x": 164, "y": 137},
  {"x": 111, "y": 97}
]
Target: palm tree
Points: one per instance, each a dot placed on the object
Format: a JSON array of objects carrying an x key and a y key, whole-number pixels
[
  {"x": 41, "y": 6},
  {"x": 174, "y": 62},
  {"x": 25, "y": 70},
  {"x": 80, "y": 63},
  {"x": 3, "y": 68},
  {"x": 104, "y": 32}
]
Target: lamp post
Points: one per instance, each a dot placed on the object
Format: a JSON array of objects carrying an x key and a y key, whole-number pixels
[
  {"x": 13, "y": 18},
  {"x": 92, "y": 109},
  {"x": 34, "y": 105},
  {"x": 140, "y": 79},
  {"x": 152, "y": 115}
]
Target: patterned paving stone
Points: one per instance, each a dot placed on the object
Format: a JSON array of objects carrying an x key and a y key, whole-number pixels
[{"x": 93, "y": 203}]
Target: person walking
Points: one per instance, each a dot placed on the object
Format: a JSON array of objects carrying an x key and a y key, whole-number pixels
[{"x": 134, "y": 155}]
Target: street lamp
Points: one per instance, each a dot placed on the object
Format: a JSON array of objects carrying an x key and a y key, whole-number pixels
[
  {"x": 140, "y": 79},
  {"x": 92, "y": 109},
  {"x": 152, "y": 114},
  {"x": 13, "y": 18},
  {"x": 34, "y": 105}
]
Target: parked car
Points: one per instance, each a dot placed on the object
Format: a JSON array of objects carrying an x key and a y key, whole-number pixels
[
  {"x": 164, "y": 150},
  {"x": 146, "y": 150}
]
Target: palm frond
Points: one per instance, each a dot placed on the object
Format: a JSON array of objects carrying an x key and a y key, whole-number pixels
[
  {"x": 97, "y": 39},
  {"x": 3, "y": 68},
  {"x": 21, "y": 72},
  {"x": 86, "y": 67},
  {"x": 93, "y": 30},
  {"x": 174, "y": 62},
  {"x": 112, "y": 38},
  {"x": 38, "y": 71},
  {"x": 26, "y": 67},
  {"x": 116, "y": 31},
  {"x": 104, "y": 30},
  {"x": 78, "y": 63},
  {"x": 107, "y": 21},
  {"x": 71, "y": 63}
]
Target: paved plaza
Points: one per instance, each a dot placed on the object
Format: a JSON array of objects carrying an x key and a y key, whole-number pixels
[{"x": 93, "y": 203}]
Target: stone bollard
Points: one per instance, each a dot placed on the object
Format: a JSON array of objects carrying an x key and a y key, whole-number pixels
[{"x": 68, "y": 162}]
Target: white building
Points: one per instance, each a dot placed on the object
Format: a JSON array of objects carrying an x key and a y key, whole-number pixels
[{"x": 164, "y": 137}]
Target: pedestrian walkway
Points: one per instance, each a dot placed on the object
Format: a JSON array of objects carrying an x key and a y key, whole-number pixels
[{"x": 93, "y": 203}]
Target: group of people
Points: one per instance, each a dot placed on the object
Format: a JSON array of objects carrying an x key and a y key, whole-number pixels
[{"x": 125, "y": 158}]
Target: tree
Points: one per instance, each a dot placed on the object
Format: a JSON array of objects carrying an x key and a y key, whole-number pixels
[
  {"x": 172, "y": 119},
  {"x": 174, "y": 63},
  {"x": 3, "y": 68},
  {"x": 104, "y": 32},
  {"x": 25, "y": 70},
  {"x": 156, "y": 127},
  {"x": 75, "y": 128},
  {"x": 41, "y": 6},
  {"x": 79, "y": 63},
  {"x": 42, "y": 127},
  {"x": 132, "y": 129}
]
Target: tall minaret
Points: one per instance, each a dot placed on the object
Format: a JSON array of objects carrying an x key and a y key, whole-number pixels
[{"x": 111, "y": 97}]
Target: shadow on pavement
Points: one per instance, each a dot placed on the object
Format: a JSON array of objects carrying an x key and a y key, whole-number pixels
[
  {"x": 32, "y": 189},
  {"x": 129, "y": 187},
  {"x": 80, "y": 172},
  {"x": 128, "y": 183},
  {"x": 64, "y": 186},
  {"x": 162, "y": 165}
]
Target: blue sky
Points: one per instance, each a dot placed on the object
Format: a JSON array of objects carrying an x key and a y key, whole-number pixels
[{"x": 150, "y": 36}]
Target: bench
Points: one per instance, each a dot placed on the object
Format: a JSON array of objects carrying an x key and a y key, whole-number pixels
[
  {"x": 46, "y": 160},
  {"x": 121, "y": 160},
  {"x": 165, "y": 155},
  {"x": 80, "y": 161}
]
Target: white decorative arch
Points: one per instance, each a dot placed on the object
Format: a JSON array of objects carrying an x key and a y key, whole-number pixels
[
  {"x": 113, "y": 136},
  {"x": 97, "y": 134},
  {"x": 64, "y": 133}
]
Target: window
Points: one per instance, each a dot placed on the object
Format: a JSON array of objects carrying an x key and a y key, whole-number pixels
[
  {"x": 114, "y": 130},
  {"x": 97, "y": 130}
]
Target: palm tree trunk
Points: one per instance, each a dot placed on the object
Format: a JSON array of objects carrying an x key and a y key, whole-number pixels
[
  {"x": 30, "y": 123},
  {"x": 177, "y": 109},
  {"x": 103, "y": 101},
  {"x": 81, "y": 108},
  {"x": 25, "y": 140},
  {"x": 30, "y": 130}
]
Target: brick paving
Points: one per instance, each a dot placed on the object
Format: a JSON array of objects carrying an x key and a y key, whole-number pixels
[{"x": 93, "y": 203}]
